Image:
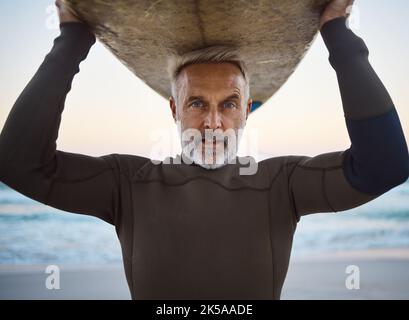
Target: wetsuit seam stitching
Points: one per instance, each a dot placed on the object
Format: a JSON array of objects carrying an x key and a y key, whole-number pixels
[
  {"x": 291, "y": 194},
  {"x": 64, "y": 180},
  {"x": 324, "y": 190},
  {"x": 297, "y": 215},
  {"x": 50, "y": 188},
  {"x": 114, "y": 208},
  {"x": 213, "y": 181},
  {"x": 127, "y": 176},
  {"x": 202, "y": 178},
  {"x": 372, "y": 117},
  {"x": 319, "y": 168}
]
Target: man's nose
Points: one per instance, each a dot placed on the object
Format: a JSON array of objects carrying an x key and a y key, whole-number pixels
[{"x": 213, "y": 120}]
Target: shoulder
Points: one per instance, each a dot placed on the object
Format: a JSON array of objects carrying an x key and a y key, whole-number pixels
[
  {"x": 277, "y": 164},
  {"x": 126, "y": 164}
]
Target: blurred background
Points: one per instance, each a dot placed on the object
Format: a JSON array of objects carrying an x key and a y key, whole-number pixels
[{"x": 109, "y": 110}]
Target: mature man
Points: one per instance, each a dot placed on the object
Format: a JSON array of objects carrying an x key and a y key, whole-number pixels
[{"x": 195, "y": 229}]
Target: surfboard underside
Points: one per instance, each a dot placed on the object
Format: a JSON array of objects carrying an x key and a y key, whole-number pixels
[{"x": 272, "y": 36}]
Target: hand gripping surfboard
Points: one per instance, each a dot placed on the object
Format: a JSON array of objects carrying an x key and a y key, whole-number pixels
[{"x": 272, "y": 35}]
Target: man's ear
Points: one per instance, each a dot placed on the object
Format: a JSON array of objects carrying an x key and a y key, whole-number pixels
[
  {"x": 248, "y": 107},
  {"x": 172, "y": 105}
]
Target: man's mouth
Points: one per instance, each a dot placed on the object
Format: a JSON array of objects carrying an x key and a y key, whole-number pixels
[{"x": 211, "y": 142}]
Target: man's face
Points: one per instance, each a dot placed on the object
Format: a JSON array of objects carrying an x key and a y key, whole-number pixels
[{"x": 210, "y": 96}]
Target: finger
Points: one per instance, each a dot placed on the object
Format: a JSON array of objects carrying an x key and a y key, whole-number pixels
[{"x": 349, "y": 8}]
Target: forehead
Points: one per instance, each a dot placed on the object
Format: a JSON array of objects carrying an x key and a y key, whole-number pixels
[{"x": 210, "y": 76}]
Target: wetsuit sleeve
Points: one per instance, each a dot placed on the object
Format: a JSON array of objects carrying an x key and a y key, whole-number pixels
[
  {"x": 29, "y": 161},
  {"x": 377, "y": 159}
]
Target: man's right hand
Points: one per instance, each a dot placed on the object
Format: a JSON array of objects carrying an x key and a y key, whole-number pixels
[{"x": 64, "y": 14}]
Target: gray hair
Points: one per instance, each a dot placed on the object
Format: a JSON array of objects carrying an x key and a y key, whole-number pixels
[{"x": 212, "y": 54}]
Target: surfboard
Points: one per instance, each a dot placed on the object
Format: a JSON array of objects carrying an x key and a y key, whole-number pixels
[{"x": 272, "y": 36}]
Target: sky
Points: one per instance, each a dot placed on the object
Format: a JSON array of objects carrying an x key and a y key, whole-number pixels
[{"x": 110, "y": 110}]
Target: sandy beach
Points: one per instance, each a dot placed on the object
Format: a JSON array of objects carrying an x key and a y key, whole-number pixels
[{"x": 383, "y": 275}]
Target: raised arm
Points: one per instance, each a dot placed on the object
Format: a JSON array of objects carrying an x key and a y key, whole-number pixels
[
  {"x": 377, "y": 159},
  {"x": 29, "y": 161}
]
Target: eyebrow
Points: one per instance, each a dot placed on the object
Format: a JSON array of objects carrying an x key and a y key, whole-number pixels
[
  {"x": 192, "y": 98},
  {"x": 231, "y": 97}
]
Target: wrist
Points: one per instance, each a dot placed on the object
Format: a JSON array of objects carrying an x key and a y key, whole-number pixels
[
  {"x": 78, "y": 33},
  {"x": 325, "y": 20},
  {"x": 342, "y": 43},
  {"x": 72, "y": 45}
]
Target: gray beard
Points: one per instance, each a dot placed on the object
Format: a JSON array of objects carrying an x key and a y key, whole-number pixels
[{"x": 206, "y": 160}]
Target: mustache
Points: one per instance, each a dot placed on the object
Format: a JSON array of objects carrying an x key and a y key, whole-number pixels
[
  {"x": 211, "y": 134},
  {"x": 195, "y": 138}
]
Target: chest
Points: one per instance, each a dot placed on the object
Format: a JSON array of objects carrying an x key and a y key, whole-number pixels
[{"x": 202, "y": 235}]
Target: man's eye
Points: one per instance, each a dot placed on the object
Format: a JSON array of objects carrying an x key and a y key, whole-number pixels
[
  {"x": 196, "y": 104},
  {"x": 230, "y": 105}
]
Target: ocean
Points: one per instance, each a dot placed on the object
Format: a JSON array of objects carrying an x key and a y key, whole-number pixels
[{"x": 32, "y": 233}]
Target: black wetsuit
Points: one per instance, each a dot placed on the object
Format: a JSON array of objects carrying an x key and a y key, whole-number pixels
[{"x": 191, "y": 233}]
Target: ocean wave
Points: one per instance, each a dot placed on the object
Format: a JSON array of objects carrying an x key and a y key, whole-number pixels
[{"x": 33, "y": 233}]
